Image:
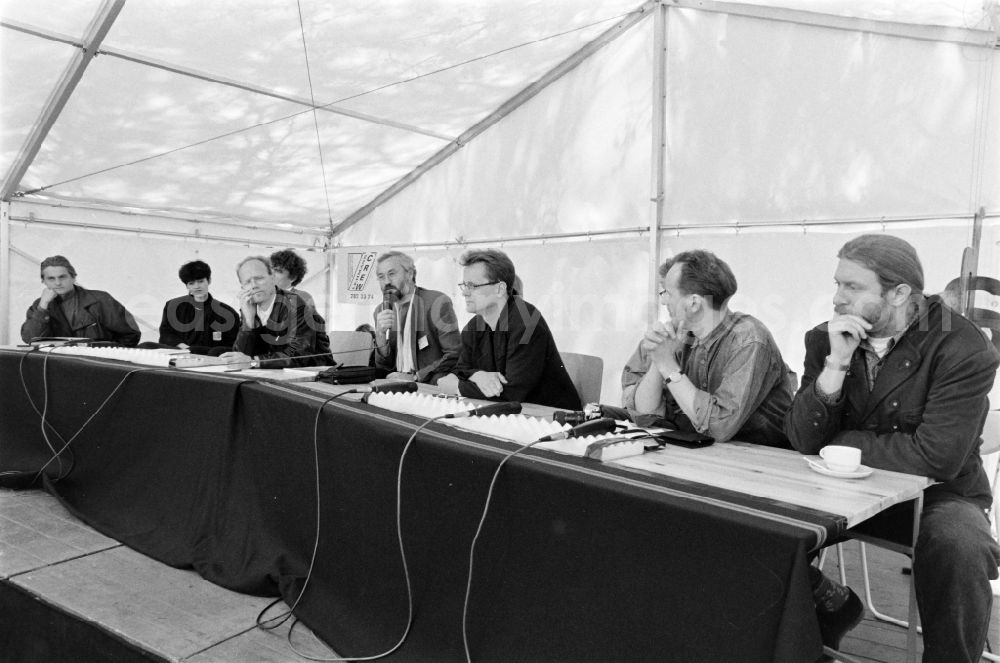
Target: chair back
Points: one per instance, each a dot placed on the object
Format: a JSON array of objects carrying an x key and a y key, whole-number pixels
[
  {"x": 961, "y": 292},
  {"x": 353, "y": 348},
  {"x": 587, "y": 374}
]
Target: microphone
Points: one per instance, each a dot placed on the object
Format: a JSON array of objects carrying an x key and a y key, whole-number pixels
[
  {"x": 503, "y": 407},
  {"x": 595, "y": 427},
  {"x": 401, "y": 386},
  {"x": 389, "y": 297},
  {"x": 571, "y": 418}
]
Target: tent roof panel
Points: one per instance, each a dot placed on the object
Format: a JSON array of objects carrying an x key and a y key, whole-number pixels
[
  {"x": 24, "y": 96},
  {"x": 434, "y": 65}
]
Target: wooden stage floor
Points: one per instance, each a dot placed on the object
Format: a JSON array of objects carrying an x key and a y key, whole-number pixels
[{"x": 135, "y": 608}]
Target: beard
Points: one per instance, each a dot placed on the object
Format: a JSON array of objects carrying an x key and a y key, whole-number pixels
[{"x": 879, "y": 314}]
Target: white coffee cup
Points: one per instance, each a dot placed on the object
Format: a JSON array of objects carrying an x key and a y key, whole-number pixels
[{"x": 841, "y": 459}]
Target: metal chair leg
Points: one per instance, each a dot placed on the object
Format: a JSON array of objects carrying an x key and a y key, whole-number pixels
[{"x": 868, "y": 594}]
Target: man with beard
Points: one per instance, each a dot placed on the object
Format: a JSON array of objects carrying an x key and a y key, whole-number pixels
[
  {"x": 67, "y": 309},
  {"x": 905, "y": 379},
  {"x": 276, "y": 327},
  {"x": 709, "y": 369},
  {"x": 416, "y": 338}
]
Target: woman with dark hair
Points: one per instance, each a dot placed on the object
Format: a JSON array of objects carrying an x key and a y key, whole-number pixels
[
  {"x": 289, "y": 268},
  {"x": 197, "y": 321}
]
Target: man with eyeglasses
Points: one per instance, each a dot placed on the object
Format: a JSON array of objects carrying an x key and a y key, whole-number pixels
[
  {"x": 708, "y": 369},
  {"x": 416, "y": 338},
  {"x": 508, "y": 353},
  {"x": 276, "y": 327}
]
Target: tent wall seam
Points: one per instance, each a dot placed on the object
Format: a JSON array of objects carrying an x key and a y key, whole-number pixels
[
  {"x": 934, "y": 33},
  {"x": 243, "y": 223},
  {"x": 678, "y": 229},
  {"x": 242, "y": 241}
]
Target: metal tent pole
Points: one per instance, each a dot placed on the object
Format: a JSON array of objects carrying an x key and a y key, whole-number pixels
[{"x": 658, "y": 160}]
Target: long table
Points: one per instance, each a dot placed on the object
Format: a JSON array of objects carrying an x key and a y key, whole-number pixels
[{"x": 242, "y": 479}]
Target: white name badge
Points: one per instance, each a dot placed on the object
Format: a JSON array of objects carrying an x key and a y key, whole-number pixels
[
  {"x": 422, "y": 343},
  {"x": 216, "y": 336}
]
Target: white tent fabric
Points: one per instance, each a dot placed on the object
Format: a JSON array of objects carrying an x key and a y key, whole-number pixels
[
  {"x": 788, "y": 126},
  {"x": 418, "y": 73}
]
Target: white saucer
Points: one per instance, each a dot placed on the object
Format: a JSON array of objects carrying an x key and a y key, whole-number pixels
[{"x": 820, "y": 466}]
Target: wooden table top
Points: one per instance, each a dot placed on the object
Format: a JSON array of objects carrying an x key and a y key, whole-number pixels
[{"x": 782, "y": 475}]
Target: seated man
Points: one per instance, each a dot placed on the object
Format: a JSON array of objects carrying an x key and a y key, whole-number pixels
[
  {"x": 905, "y": 379},
  {"x": 67, "y": 309},
  {"x": 708, "y": 369},
  {"x": 417, "y": 337},
  {"x": 276, "y": 327},
  {"x": 197, "y": 321},
  {"x": 508, "y": 353}
]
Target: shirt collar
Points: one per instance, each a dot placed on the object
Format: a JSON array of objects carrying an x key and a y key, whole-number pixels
[
  {"x": 720, "y": 330},
  {"x": 265, "y": 313}
]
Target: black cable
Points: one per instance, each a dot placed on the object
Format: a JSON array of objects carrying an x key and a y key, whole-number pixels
[
  {"x": 267, "y": 625},
  {"x": 68, "y": 442},
  {"x": 43, "y": 414},
  {"x": 402, "y": 556},
  {"x": 475, "y": 539},
  {"x": 282, "y": 618},
  {"x": 31, "y": 401},
  {"x": 27, "y": 393}
]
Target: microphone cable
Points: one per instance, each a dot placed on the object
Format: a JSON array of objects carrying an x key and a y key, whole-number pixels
[
  {"x": 283, "y": 617},
  {"x": 475, "y": 539},
  {"x": 399, "y": 535},
  {"x": 484, "y": 409},
  {"x": 27, "y": 393},
  {"x": 587, "y": 428},
  {"x": 46, "y": 425}
]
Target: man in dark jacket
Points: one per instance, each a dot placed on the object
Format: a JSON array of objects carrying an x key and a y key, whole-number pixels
[
  {"x": 66, "y": 309},
  {"x": 416, "y": 338},
  {"x": 277, "y": 328},
  {"x": 905, "y": 379},
  {"x": 197, "y": 321},
  {"x": 508, "y": 353}
]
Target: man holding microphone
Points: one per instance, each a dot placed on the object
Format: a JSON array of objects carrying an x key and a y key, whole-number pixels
[{"x": 416, "y": 330}]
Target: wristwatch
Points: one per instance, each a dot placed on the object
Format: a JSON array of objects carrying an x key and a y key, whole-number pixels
[
  {"x": 673, "y": 377},
  {"x": 255, "y": 363}
]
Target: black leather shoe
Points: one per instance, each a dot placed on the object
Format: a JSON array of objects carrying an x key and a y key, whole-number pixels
[{"x": 834, "y": 625}]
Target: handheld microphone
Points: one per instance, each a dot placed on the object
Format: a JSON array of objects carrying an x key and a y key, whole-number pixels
[
  {"x": 595, "y": 427},
  {"x": 503, "y": 407},
  {"x": 386, "y": 388},
  {"x": 389, "y": 297}
]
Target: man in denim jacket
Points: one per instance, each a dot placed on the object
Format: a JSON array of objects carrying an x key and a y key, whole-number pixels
[{"x": 708, "y": 369}]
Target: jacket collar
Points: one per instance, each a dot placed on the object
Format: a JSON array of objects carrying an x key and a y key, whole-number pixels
[{"x": 898, "y": 365}]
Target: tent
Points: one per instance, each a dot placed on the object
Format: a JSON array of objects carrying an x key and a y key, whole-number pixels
[{"x": 587, "y": 140}]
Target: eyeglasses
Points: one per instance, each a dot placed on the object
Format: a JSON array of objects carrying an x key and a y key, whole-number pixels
[{"x": 469, "y": 285}]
